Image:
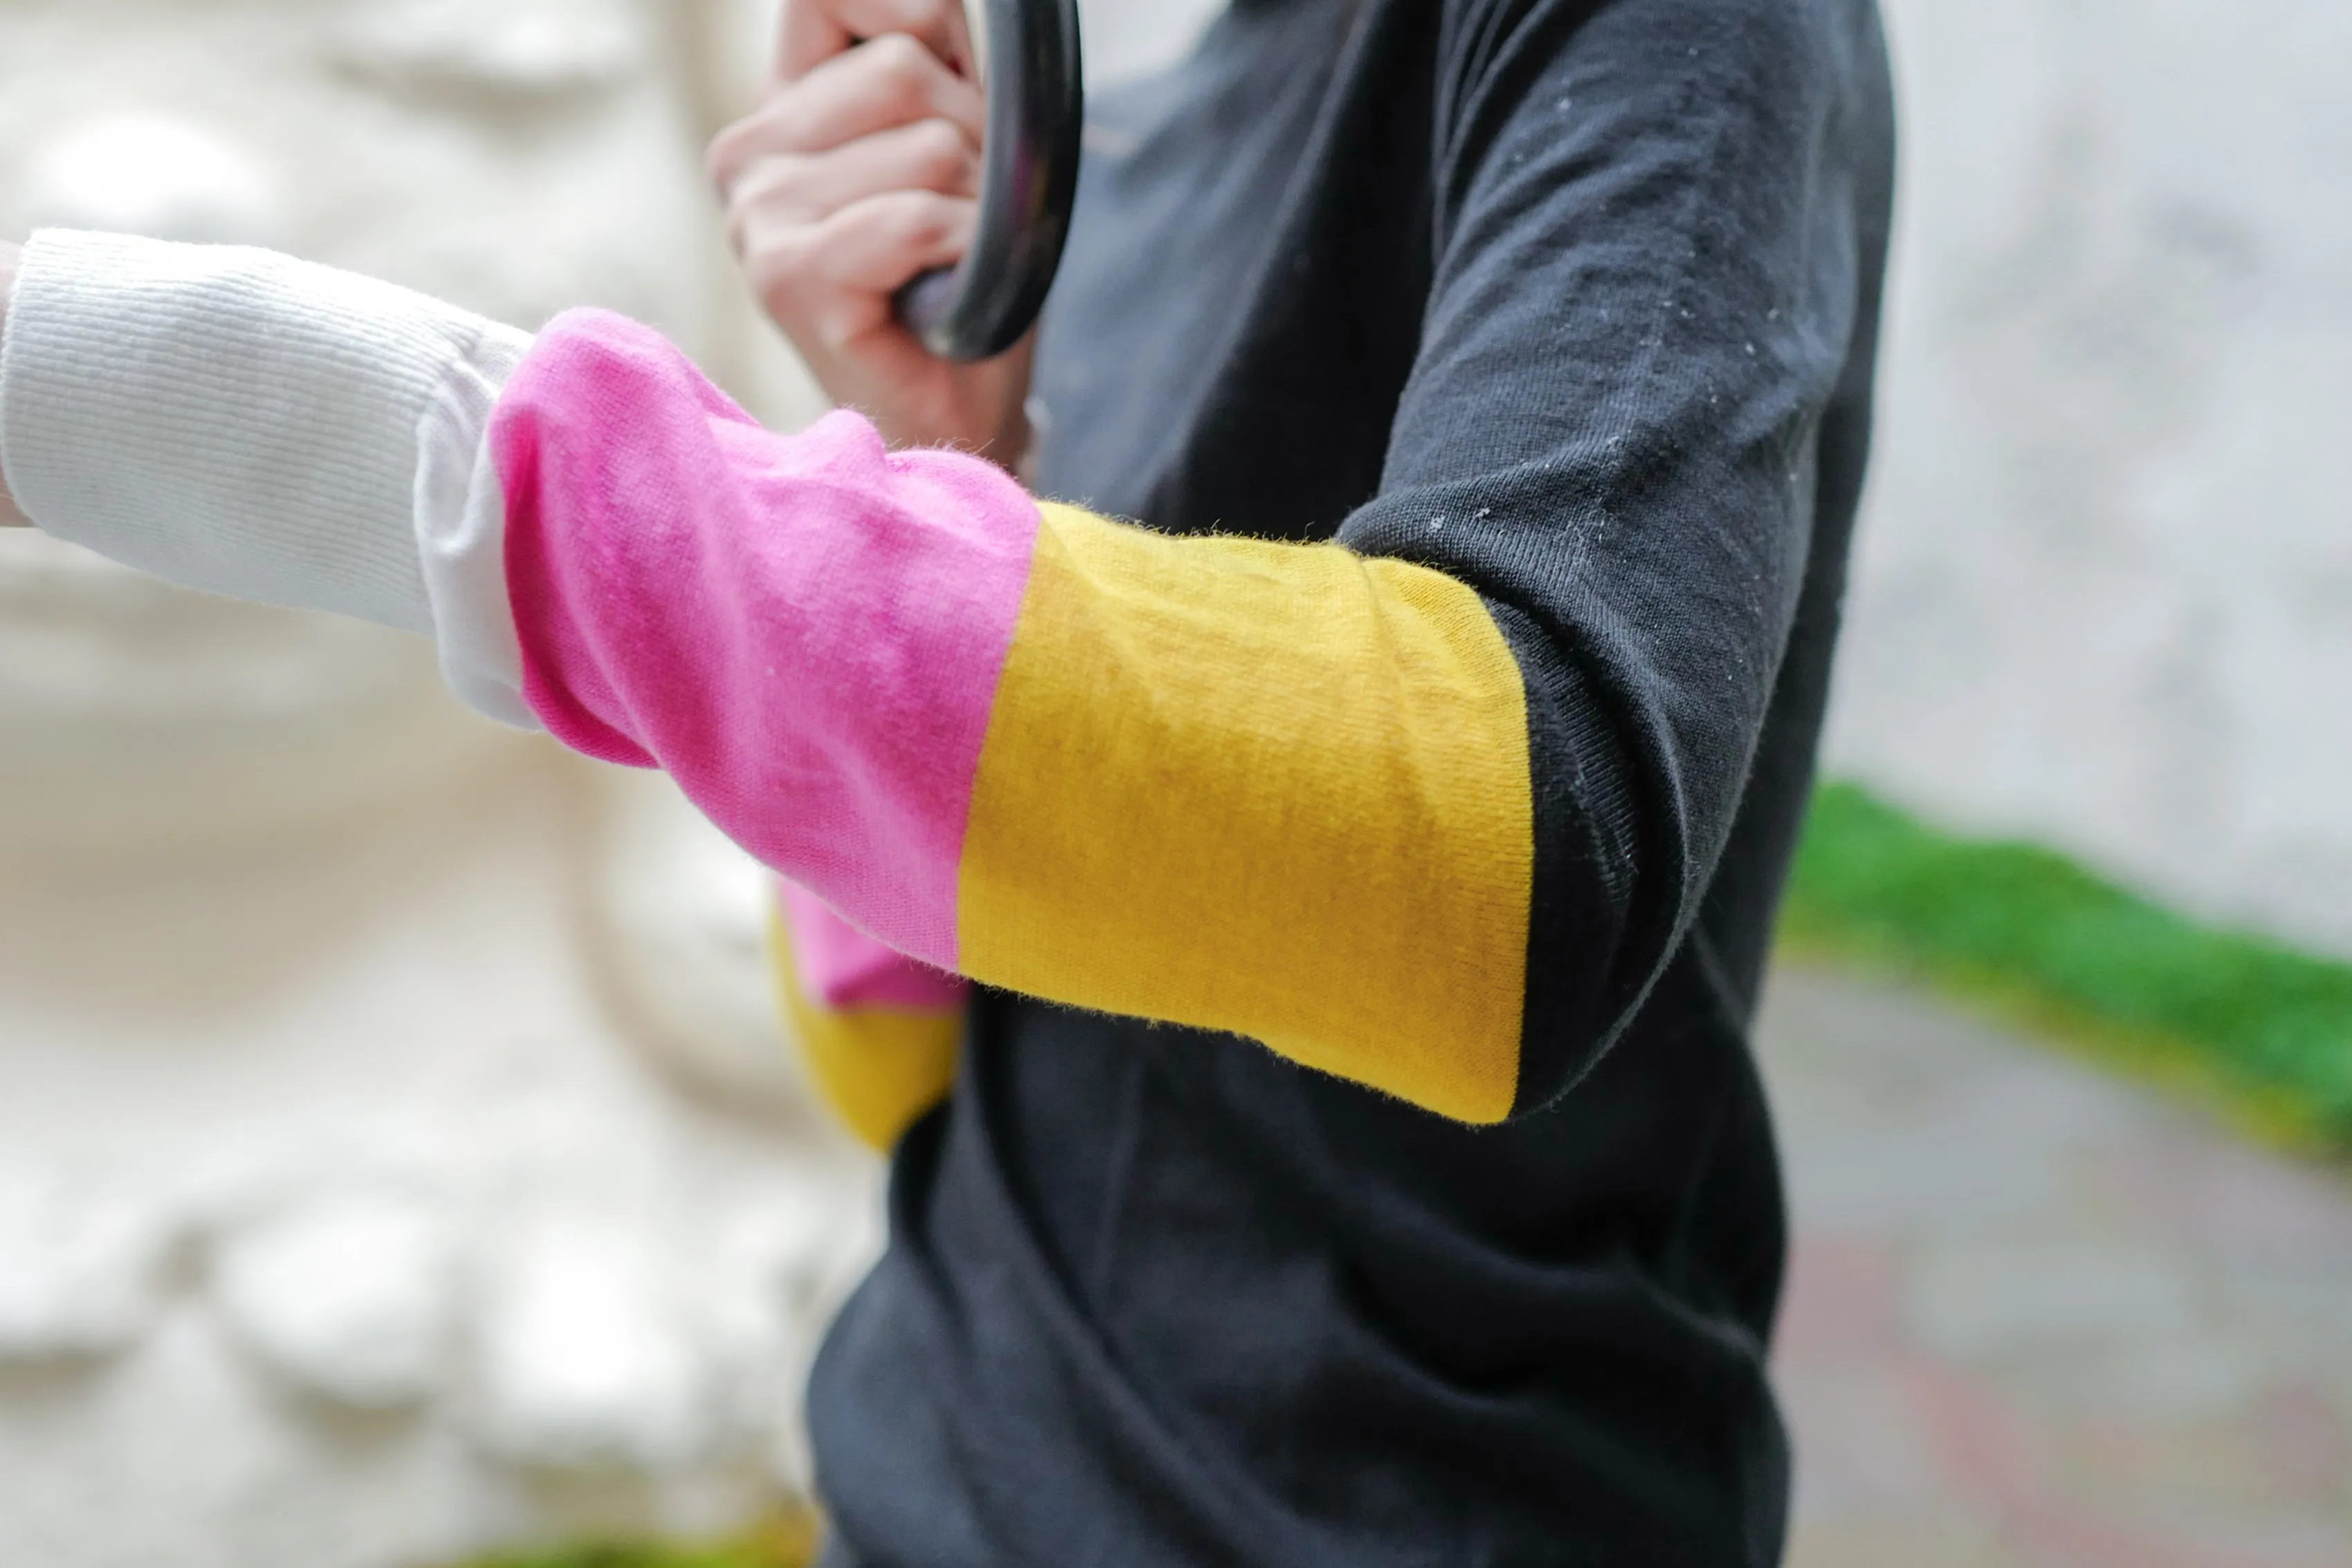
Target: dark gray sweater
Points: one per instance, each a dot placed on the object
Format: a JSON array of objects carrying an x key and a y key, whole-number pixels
[{"x": 1576, "y": 300}]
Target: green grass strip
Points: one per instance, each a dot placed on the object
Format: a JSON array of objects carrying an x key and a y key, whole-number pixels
[
  {"x": 787, "y": 1541},
  {"x": 624, "y": 1555},
  {"x": 2262, "y": 1032}
]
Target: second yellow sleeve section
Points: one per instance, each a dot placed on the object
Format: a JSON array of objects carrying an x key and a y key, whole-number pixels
[
  {"x": 878, "y": 1068},
  {"x": 1280, "y": 790}
]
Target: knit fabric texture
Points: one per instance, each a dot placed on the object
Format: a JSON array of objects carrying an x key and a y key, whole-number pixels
[
  {"x": 1493, "y": 378},
  {"x": 881, "y": 1058},
  {"x": 805, "y": 633},
  {"x": 227, "y": 418},
  {"x": 237, "y": 420},
  {"x": 1574, "y": 304},
  {"x": 896, "y": 683},
  {"x": 839, "y": 966}
]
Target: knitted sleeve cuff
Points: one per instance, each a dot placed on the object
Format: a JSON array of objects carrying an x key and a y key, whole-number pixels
[{"x": 240, "y": 422}]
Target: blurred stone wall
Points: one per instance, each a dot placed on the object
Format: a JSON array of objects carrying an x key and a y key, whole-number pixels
[
  {"x": 398, "y": 1153},
  {"x": 2104, "y": 594}
]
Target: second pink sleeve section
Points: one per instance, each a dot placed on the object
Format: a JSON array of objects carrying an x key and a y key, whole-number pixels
[
  {"x": 806, "y": 631},
  {"x": 841, "y": 968}
]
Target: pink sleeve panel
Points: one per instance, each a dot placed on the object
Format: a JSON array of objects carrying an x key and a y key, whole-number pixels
[
  {"x": 842, "y": 968},
  {"x": 807, "y": 633}
]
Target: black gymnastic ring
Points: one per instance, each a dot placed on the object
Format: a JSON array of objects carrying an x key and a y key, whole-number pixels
[{"x": 1029, "y": 176}]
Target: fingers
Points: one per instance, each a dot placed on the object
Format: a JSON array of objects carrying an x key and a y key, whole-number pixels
[
  {"x": 814, "y": 31},
  {"x": 831, "y": 283},
  {"x": 851, "y": 180},
  {"x": 930, "y": 155},
  {"x": 860, "y": 171},
  {"x": 893, "y": 81}
]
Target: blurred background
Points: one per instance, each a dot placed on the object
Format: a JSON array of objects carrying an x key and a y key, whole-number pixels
[{"x": 399, "y": 1160}]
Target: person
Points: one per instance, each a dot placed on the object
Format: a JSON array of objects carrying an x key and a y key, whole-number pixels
[{"x": 1363, "y": 863}]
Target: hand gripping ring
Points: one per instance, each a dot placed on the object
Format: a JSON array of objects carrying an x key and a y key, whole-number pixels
[{"x": 1029, "y": 176}]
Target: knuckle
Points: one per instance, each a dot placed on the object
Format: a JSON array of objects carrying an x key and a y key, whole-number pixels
[
  {"x": 940, "y": 148},
  {"x": 751, "y": 137},
  {"x": 747, "y": 236},
  {"x": 784, "y": 255},
  {"x": 900, "y": 52},
  {"x": 905, "y": 68},
  {"x": 747, "y": 214},
  {"x": 906, "y": 218},
  {"x": 934, "y": 219},
  {"x": 770, "y": 183},
  {"x": 730, "y": 152},
  {"x": 773, "y": 256}
]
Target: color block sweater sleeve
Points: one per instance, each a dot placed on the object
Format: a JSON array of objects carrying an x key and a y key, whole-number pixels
[
  {"x": 1640, "y": 378},
  {"x": 1431, "y": 807},
  {"x": 1280, "y": 790},
  {"x": 1272, "y": 790},
  {"x": 241, "y": 421}
]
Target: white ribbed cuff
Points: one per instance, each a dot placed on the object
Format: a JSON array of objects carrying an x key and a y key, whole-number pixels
[
  {"x": 237, "y": 420},
  {"x": 460, "y": 533}
]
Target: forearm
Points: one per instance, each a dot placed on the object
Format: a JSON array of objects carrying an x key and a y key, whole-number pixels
[
  {"x": 1276, "y": 790},
  {"x": 221, "y": 350},
  {"x": 1272, "y": 790}
]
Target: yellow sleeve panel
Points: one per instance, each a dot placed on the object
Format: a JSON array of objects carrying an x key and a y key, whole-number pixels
[
  {"x": 878, "y": 1068},
  {"x": 1278, "y": 791}
]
